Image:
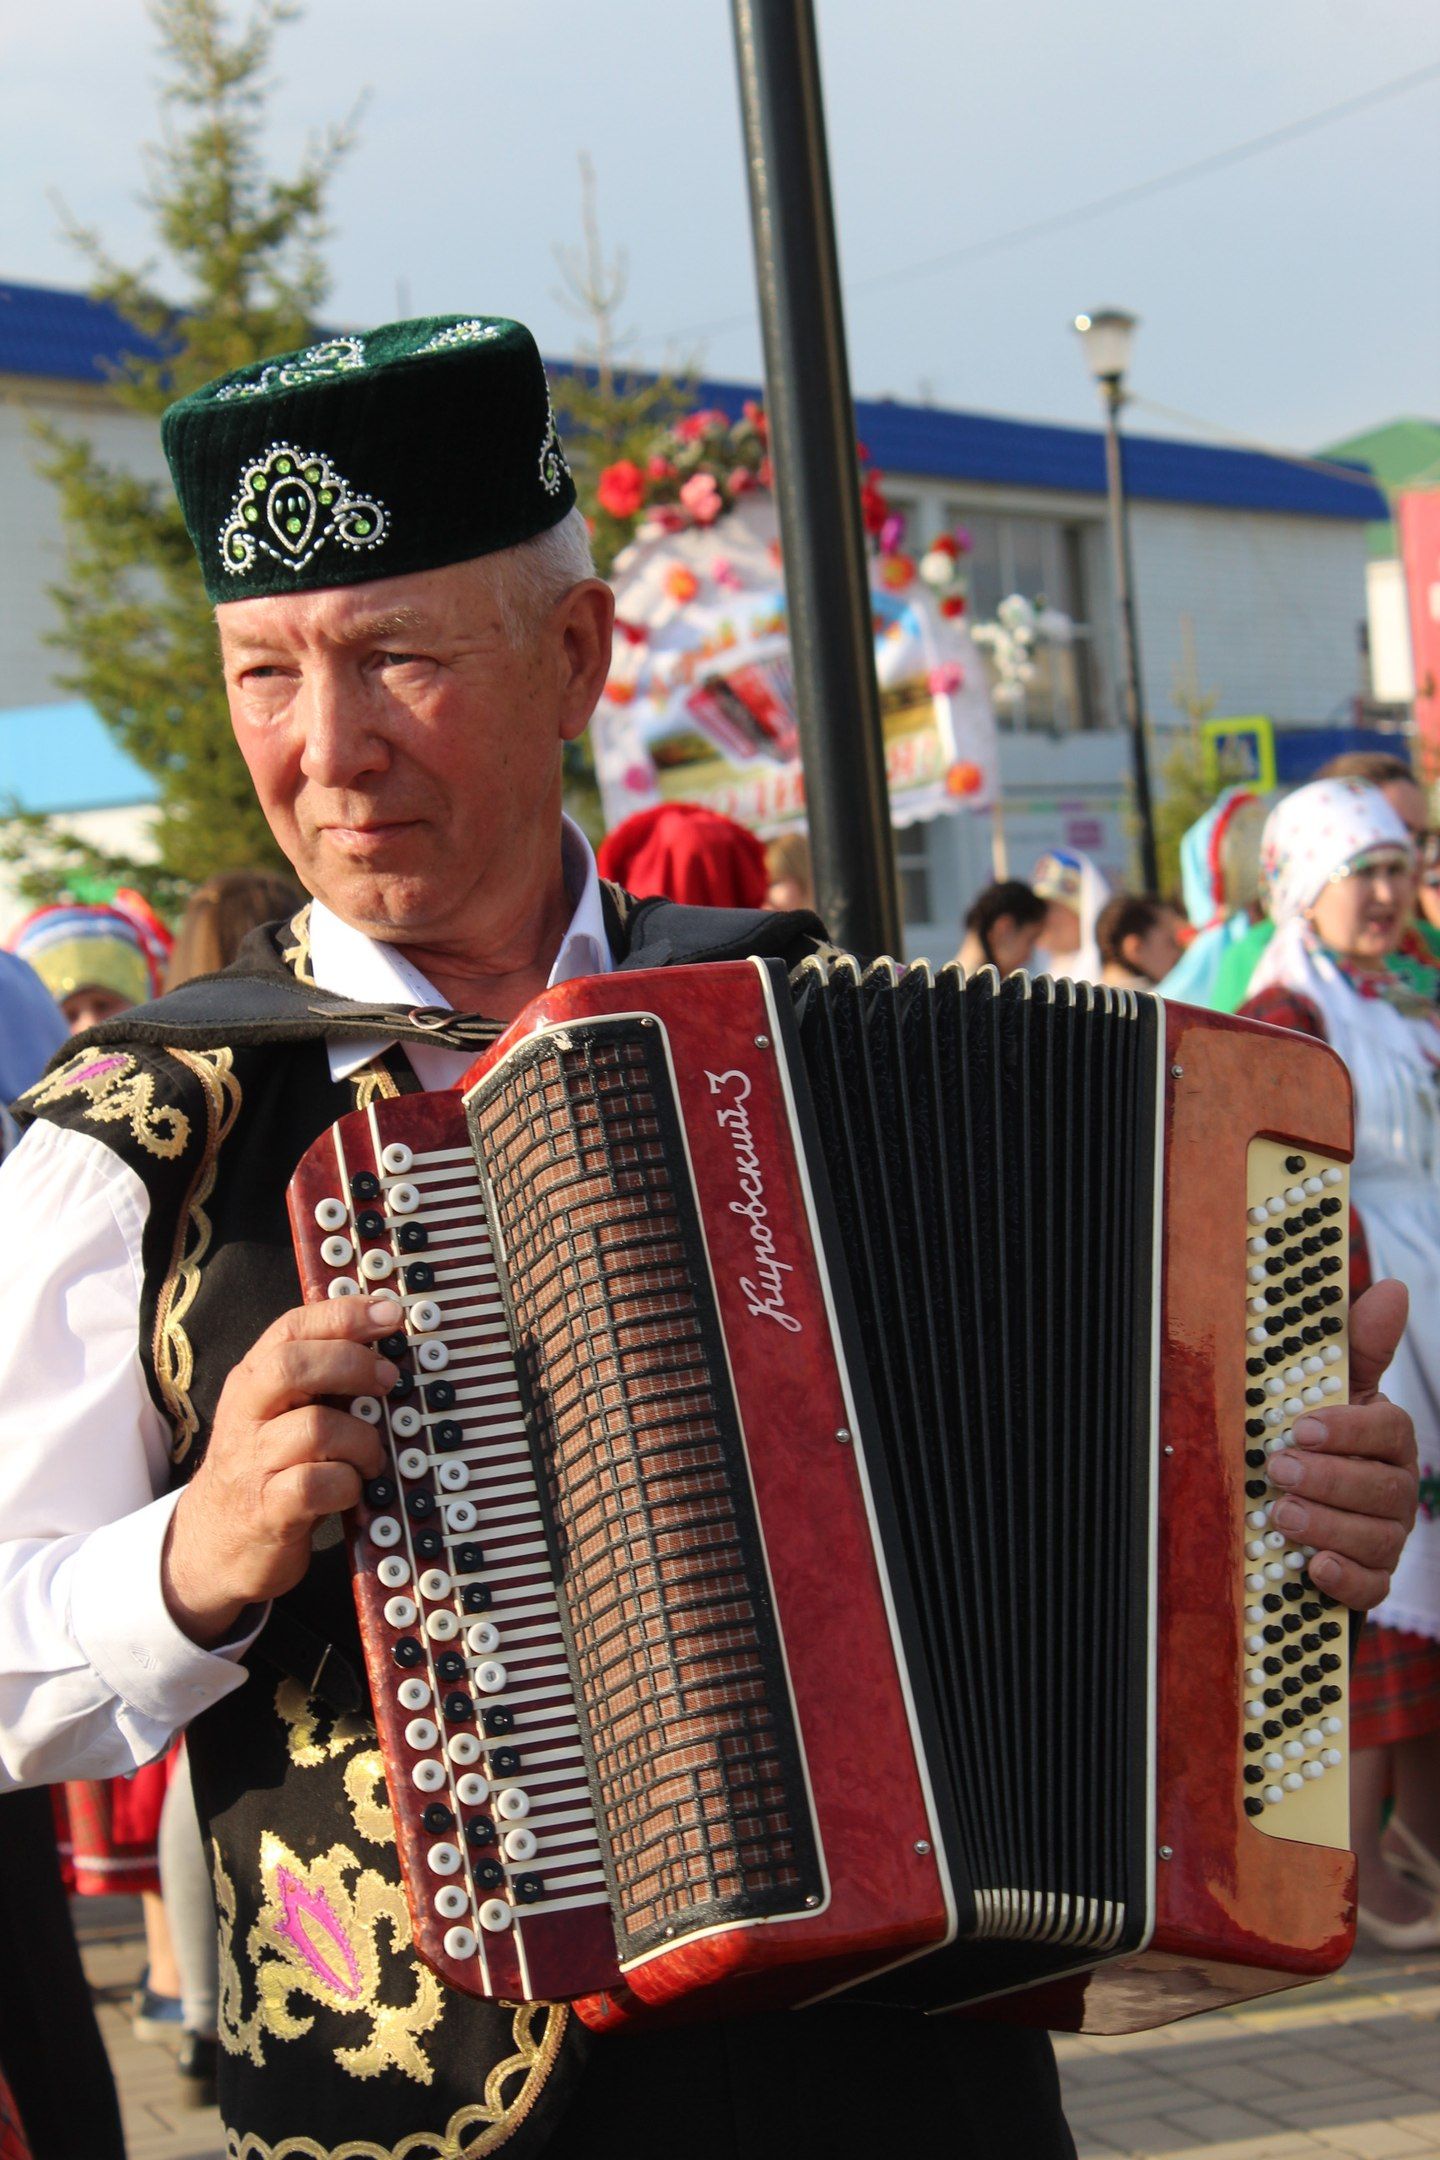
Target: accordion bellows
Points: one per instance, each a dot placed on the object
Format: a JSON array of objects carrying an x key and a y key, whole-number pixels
[{"x": 828, "y": 1544}]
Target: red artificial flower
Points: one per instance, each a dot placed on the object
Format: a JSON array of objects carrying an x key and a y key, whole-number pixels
[
  {"x": 766, "y": 474},
  {"x": 945, "y": 544},
  {"x": 621, "y": 489},
  {"x": 694, "y": 425},
  {"x": 964, "y": 779},
  {"x": 669, "y": 519},
  {"x": 896, "y": 572},
  {"x": 741, "y": 480},
  {"x": 873, "y": 507},
  {"x": 619, "y": 693},
  {"x": 660, "y": 468},
  {"x": 682, "y": 584},
  {"x": 953, "y": 604},
  {"x": 633, "y": 633}
]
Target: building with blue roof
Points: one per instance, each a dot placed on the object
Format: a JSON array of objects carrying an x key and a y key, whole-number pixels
[{"x": 1249, "y": 574}]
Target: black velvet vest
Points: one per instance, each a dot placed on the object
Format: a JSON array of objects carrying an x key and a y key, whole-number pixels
[{"x": 336, "y": 2043}]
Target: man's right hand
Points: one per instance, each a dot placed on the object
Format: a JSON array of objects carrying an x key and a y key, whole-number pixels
[{"x": 280, "y": 1459}]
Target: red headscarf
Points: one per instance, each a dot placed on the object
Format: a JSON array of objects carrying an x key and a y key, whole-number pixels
[{"x": 684, "y": 852}]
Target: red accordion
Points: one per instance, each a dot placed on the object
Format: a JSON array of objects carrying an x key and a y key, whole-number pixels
[{"x": 826, "y": 1542}]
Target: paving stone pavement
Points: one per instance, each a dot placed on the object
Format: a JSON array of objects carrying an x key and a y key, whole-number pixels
[{"x": 1347, "y": 2067}]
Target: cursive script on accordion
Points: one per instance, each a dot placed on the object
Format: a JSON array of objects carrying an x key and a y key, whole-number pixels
[{"x": 826, "y": 1541}]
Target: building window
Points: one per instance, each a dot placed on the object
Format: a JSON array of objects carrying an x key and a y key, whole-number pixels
[
  {"x": 1044, "y": 559},
  {"x": 912, "y": 867}
]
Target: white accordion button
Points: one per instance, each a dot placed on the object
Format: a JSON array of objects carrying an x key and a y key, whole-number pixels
[
  {"x": 332, "y": 1214},
  {"x": 472, "y": 1790},
  {"x": 1332, "y": 1176},
  {"x": 432, "y": 1357},
  {"x": 1330, "y": 1725},
  {"x": 343, "y": 1286},
  {"x": 429, "y": 1776},
  {"x": 1312, "y": 1769},
  {"x": 463, "y": 1747},
  {"x": 1256, "y": 1245},
  {"x": 1256, "y": 1335},
  {"x": 412, "y": 1462},
  {"x": 495, "y": 1916},
  {"x": 425, "y": 1316},
  {"x": 1259, "y": 1214},
  {"x": 384, "y": 1530},
  {"x": 1314, "y": 1185},
  {"x": 1295, "y": 1196},
  {"x": 1331, "y": 1758},
  {"x": 406, "y": 1421},
  {"x": 1330, "y": 1385},
  {"x": 1292, "y": 1781},
  {"x": 435, "y": 1583},
  {"x": 1274, "y": 1572},
  {"x": 443, "y": 1859},
  {"x": 453, "y": 1476},
  {"x": 421, "y": 1733},
  {"x": 402, "y": 1612},
  {"x": 1293, "y": 1749},
  {"x": 1273, "y": 1793},
  {"x": 490, "y": 1678},
  {"x": 460, "y": 1943},
  {"x": 396, "y": 1159},
  {"x": 1255, "y": 1273},
  {"x": 441, "y": 1626},
  {"x": 512, "y": 1803},
  {"x": 367, "y": 1409},
  {"x": 451, "y": 1903},
  {"x": 1274, "y": 1761},
  {"x": 337, "y": 1252},
  {"x": 1332, "y": 1353},
  {"x": 376, "y": 1264},
  {"x": 403, "y": 1199},
  {"x": 394, "y": 1572},
  {"x": 482, "y": 1636},
  {"x": 1313, "y": 1737},
  {"x": 413, "y": 1695},
  {"x": 521, "y": 1844},
  {"x": 460, "y": 1515}
]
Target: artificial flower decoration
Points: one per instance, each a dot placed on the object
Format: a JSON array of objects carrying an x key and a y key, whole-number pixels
[
  {"x": 896, "y": 572},
  {"x": 702, "y": 498},
  {"x": 681, "y": 584},
  {"x": 964, "y": 779},
  {"x": 621, "y": 488}
]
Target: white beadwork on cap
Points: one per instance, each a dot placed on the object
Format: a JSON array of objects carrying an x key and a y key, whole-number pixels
[
  {"x": 554, "y": 471},
  {"x": 290, "y": 502},
  {"x": 473, "y": 332},
  {"x": 336, "y": 356}
]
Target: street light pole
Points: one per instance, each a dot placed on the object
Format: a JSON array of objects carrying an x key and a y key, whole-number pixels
[{"x": 1106, "y": 337}]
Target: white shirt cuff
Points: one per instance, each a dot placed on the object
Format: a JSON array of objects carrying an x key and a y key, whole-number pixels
[{"x": 124, "y": 1628}]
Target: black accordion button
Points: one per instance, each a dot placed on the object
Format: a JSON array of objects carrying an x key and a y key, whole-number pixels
[
  {"x": 480, "y": 1831},
  {"x": 1274, "y": 1355},
  {"x": 1272, "y": 1601},
  {"x": 1290, "y": 1686},
  {"x": 1273, "y": 1729},
  {"x": 1274, "y": 1236},
  {"x": 1255, "y": 1426},
  {"x": 412, "y": 1237},
  {"x": 1254, "y": 1806},
  {"x": 1329, "y": 1663},
  {"x": 1276, "y": 1293},
  {"x": 404, "y": 1385},
  {"x": 365, "y": 1185},
  {"x": 477, "y": 1597},
  {"x": 406, "y": 1651},
  {"x": 1275, "y": 1265},
  {"x": 505, "y": 1761},
  {"x": 1271, "y": 1665},
  {"x": 380, "y": 1491},
  {"x": 468, "y": 1557},
  {"x": 1310, "y": 1674},
  {"x": 458, "y": 1707},
  {"x": 1293, "y": 1590},
  {"x": 450, "y": 1665},
  {"x": 393, "y": 1346},
  {"x": 370, "y": 1223},
  {"x": 488, "y": 1874},
  {"x": 1273, "y": 1698},
  {"x": 429, "y": 1544},
  {"x": 420, "y": 1276},
  {"x": 1311, "y": 1217},
  {"x": 1292, "y": 1621},
  {"x": 1294, "y": 1164},
  {"x": 1273, "y": 1633},
  {"x": 528, "y": 1888},
  {"x": 447, "y": 1434},
  {"x": 1253, "y": 1743},
  {"x": 1254, "y": 1775},
  {"x": 440, "y": 1394},
  {"x": 1330, "y": 1205},
  {"x": 1310, "y": 1644},
  {"x": 497, "y": 1720},
  {"x": 1255, "y": 1396},
  {"x": 437, "y": 1818},
  {"x": 1255, "y": 1458},
  {"x": 1329, "y": 1694},
  {"x": 1254, "y": 1487},
  {"x": 1330, "y": 1630},
  {"x": 1255, "y": 1366},
  {"x": 419, "y": 1504},
  {"x": 1295, "y": 1717}
]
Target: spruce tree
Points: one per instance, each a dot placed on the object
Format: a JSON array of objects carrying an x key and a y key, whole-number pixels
[{"x": 243, "y": 277}]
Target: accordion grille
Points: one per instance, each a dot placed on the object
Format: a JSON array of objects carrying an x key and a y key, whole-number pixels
[{"x": 693, "y": 1755}]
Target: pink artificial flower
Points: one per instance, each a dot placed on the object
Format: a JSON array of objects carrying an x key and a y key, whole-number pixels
[
  {"x": 946, "y": 679},
  {"x": 702, "y": 498},
  {"x": 723, "y": 571}
]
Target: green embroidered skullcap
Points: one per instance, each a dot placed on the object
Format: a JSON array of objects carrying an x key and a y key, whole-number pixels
[{"x": 415, "y": 445}]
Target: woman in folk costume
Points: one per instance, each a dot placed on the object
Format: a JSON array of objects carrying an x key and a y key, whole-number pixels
[
  {"x": 1075, "y": 892},
  {"x": 1219, "y": 881},
  {"x": 1339, "y": 873}
]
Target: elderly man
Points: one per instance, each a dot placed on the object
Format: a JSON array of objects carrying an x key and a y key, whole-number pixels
[{"x": 410, "y": 633}]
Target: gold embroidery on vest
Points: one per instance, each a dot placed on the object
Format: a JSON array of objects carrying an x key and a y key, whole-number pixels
[
  {"x": 297, "y": 956},
  {"x": 117, "y": 1094},
  {"x": 317, "y": 1936},
  {"x": 481, "y": 2127},
  {"x": 372, "y": 1083},
  {"x": 365, "y": 1790},
  {"x": 174, "y": 1358},
  {"x": 304, "y": 1718}
]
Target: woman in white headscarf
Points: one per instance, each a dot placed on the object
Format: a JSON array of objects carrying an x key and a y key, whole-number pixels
[
  {"x": 1339, "y": 875},
  {"x": 1074, "y": 892}
]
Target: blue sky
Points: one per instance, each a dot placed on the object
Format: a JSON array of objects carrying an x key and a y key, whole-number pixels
[{"x": 1291, "y": 298}]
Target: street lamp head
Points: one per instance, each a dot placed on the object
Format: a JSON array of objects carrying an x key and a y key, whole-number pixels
[{"x": 1107, "y": 337}]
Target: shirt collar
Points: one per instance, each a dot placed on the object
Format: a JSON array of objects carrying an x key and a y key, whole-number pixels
[{"x": 346, "y": 962}]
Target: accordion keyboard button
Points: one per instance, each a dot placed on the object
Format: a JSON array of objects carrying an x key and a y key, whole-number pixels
[
  {"x": 413, "y": 1694},
  {"x": 425, "y": 1316},
  {"x": 521, "y": 1844},
  {"x": 452, "y": 1477},
  {"x": 343, "y": 1286},
  {"x": 495, "y": 1915},
  {"x": 460, "y": 1943},
  {"x": 401, "y": 1611},
  {"x": 461, "y": 1515},
  {"x": 332, "y": 1214},
  {"x": 376, "y": 1264},
  {"x": 405, "y": 1422},
  {"x": 512, "y": 1803},
  {"x": 337, "y": 1252},
  {"x": 432, "y": 1356},
  {"x": 403, "y": 1199},
  {"x": 443, "y": 1859},
  {"x": 429, "y": 1776},
  {"x": 482, "y": 1637},
  {"x": 451, "y": 1903},
  {"x": 441, "y": 1626},
  {"x": 412, "y": 1462},
  {"x": 396, "y": 1159},
  {"x": 472, "y": 1790},
  {"x": 421, "y": 1733},
  {"x": 367, "y": 1409},
  {"x": 394, "y": 1572},
  {"x": 435, "y": 1583},
  {"x": 384, "y": 1530},
  {"x": 463, "y": 1747},
  {"x": 490, "y": 1678}
]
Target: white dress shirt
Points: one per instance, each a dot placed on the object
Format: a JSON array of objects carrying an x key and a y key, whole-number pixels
[{"x": 95, "y": 1677}]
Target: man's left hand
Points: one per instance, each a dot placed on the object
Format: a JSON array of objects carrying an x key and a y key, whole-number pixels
[{"x": 1352, "y": 1477}]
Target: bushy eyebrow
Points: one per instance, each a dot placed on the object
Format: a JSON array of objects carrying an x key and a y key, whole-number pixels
[{"x": 365, "y": 630}]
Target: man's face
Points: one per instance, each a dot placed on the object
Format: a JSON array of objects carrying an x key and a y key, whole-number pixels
[
  {"x": 1153, "y": 952},
  {"x": 406, "y": 755}
]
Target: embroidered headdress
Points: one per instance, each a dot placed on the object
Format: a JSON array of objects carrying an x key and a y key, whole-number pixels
[{"x": 412, "y": 446}]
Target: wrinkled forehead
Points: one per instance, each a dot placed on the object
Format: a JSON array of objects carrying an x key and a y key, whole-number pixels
[{"x": 428, "y": 604}]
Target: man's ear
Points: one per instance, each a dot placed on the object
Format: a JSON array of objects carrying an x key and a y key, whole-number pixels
[
  {"x": 1129, "y": 951},
  {"x": 584, "y": 622}
]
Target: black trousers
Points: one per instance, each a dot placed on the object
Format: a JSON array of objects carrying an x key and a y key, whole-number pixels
[
  {"x": 50, "y": 2047},
  {"x": 837, "y": 2081}
]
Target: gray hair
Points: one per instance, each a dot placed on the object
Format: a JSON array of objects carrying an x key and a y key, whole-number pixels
[{"x": 530, "y": 578}]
